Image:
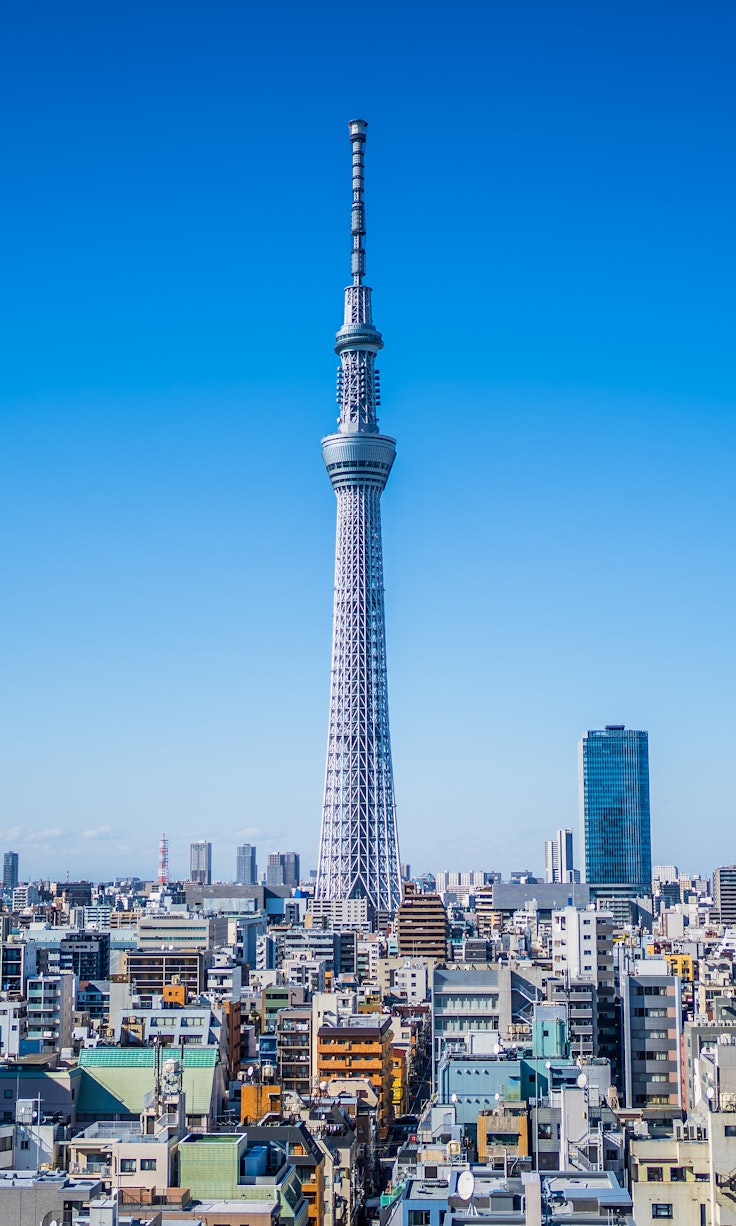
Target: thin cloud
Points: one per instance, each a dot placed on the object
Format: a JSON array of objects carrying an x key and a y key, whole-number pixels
[
  {"x": 97, "y": 832},
  {"x": 43, "y": 836}
]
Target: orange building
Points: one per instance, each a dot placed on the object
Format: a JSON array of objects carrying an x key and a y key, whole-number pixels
[
  {"x": 503, "y": 1132},
  {"x": 360, "y": 1047},
  {"x": 258, "y": 1099}
]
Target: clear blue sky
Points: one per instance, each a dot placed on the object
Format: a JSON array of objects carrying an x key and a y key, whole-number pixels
[{"x": 551, "y": 245}]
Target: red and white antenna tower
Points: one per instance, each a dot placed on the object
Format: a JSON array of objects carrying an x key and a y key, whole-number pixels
[{"x": 163, "y": 861}]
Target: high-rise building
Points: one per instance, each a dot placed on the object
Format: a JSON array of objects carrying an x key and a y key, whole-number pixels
[
  {"x": 724, "y": 893},
  {"x": 200, "y": 863},
  {"x": 614, "y": 806},
  {"x": 283, "y": 869},
  {"x": 247, "y": 869},
  {"x": 274, "y": 869},
  {"x": 359, "y": 849},
  {"x": 10, "y": 870},
  {"x": 292, "y": 872},
  {"x": 558, "y": 858}
]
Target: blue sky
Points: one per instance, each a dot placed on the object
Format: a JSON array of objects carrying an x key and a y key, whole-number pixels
[{"x": 550, "y": 213}]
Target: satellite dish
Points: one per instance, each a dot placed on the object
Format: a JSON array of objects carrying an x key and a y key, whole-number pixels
[
  {"x": 466, "y": 1185},
  {"x": 497, "y": 1049},
  {"x": 250, "y": 1070},
  {"x": 711, "y": 1092},
  {"x": 453, "y": 1098},
  {"x": 582, "y": 1081},
  {"x": 323, "y": 1086}
]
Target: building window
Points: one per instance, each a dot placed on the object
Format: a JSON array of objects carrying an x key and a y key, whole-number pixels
[
  {"x": 661, "y": 1210},
  {"x": 654, "y": 1174},
  {"x": 8, "y": 1093},
  {"x": 677, "y": 1174},
  {"x": 730, "y": 1130},
  {"x": 148, "y": 1164},
  {"x": 127, "y": 1166},
  {"x": 419, "y": 1217}
]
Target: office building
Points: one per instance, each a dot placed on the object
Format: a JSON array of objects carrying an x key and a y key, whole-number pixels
[
  {"x": 292, "y": 870},
  {"x": 724, "y": 893},
  {"x": 283, "y": 869},
  {"x": 247, "y": 869},
  {"x": 274, "y": 870},
  {"x": 359, "y": 847},
  {"x": 558, "y": 858},
  {"x": 10, "y": 870},
  {"x": 200, "y": 863},
  {"x": 614, "y": 807}
]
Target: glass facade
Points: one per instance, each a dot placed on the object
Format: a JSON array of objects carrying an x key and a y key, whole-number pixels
[
  {"x": 247, "y": 870},
  {"x": 614, "y": 803}
]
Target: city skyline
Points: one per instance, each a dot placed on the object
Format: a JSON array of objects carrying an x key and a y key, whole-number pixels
[{"x": 553, "y": 259}]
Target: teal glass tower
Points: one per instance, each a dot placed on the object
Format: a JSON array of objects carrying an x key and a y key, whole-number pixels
[{"x": 614, "y": 807}]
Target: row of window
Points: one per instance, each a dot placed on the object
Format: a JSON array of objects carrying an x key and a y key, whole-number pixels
[{"x": 129, "y": 1165}]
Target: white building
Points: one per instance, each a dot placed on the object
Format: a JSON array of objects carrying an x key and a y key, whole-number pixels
[
  {"x": 558, "y": 858},
  {"x": 50, "y": 1009},
  {"x": 582, "y": 946},
  {"x": 13, "y": 1026}
]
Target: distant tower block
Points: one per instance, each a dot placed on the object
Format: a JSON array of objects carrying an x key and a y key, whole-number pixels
[
  {"x": 359, "y": 850},
  {"x": 163, "y": 861}
]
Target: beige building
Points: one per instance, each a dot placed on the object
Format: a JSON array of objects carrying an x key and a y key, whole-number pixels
[{"x": 421, "y": 925}]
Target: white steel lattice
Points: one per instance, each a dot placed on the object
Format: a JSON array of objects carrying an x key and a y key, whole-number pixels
[{"x": 359, "y": 853}]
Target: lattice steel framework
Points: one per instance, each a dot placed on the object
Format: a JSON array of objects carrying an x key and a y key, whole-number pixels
[{"x": 359, "y": 849}]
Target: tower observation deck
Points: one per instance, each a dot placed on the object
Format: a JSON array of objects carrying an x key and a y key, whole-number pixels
[{"x": 359, "y": 851}]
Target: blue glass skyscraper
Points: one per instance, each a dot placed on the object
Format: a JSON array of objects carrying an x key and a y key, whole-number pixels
[{"x": 614, "y": 806}]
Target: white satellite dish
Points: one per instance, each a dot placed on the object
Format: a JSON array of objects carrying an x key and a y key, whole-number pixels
[
  {"x": 466, "y": 1185},
  {"x": 453, "y": 1098},
  {"x": 582, "y": 1081},
  {"x": 497, "y": 1049},
  {"x": 250, "y": 1070}
]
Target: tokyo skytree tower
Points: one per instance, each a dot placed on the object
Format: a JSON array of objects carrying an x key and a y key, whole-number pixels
[{"x": 359, "y": 848}]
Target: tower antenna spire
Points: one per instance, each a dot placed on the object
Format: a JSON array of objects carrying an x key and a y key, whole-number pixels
[
  {"x": 358, "y": 341},
  {"x": 357, "y": 129}
]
